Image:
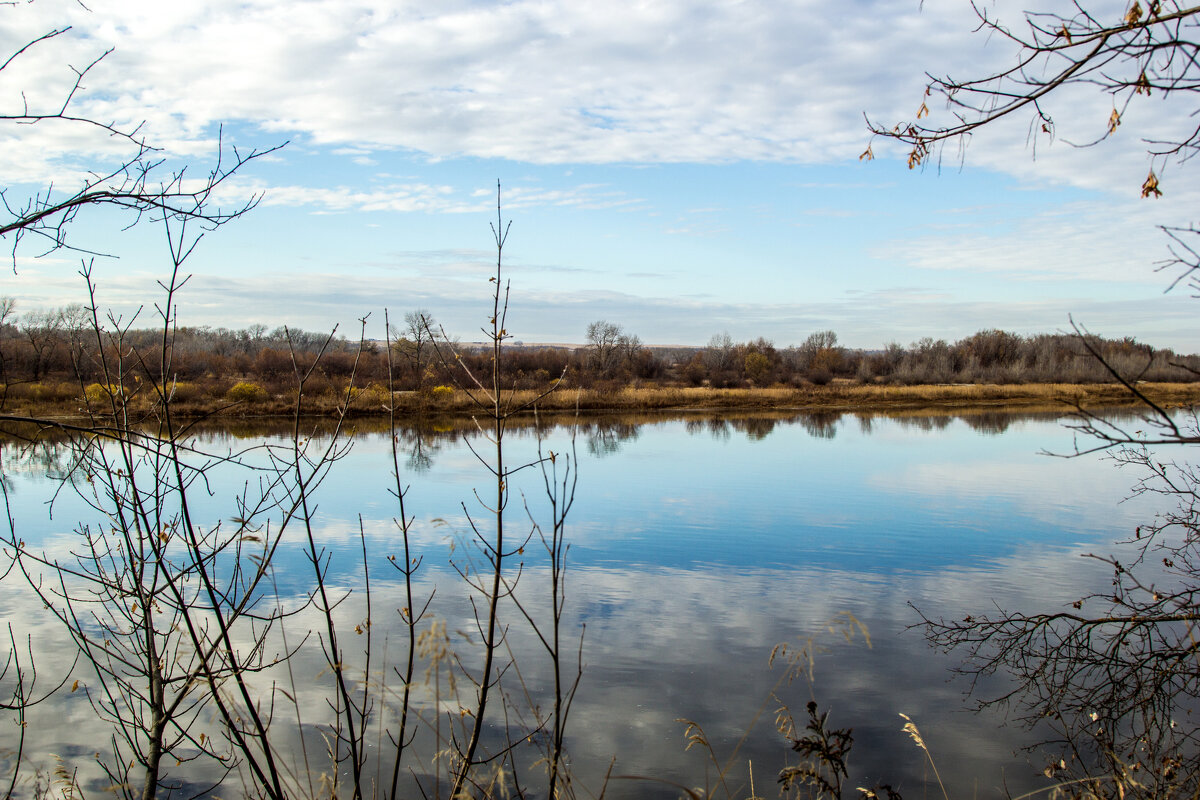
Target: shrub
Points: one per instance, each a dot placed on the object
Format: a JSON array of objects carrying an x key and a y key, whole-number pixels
[
  {"x": 100, "y": 394},
  {"x": 374, "y": 396},
  {"x": 48, "y": 392},
  {"x": 246, "y": 392},
  {"x": 757, "y": 366},
  {"x": 443, "y": 392},
  {"x": 182, "y": 391}
]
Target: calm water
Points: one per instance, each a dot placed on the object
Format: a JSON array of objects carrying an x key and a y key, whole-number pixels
[{"x": 696, "y": 545}]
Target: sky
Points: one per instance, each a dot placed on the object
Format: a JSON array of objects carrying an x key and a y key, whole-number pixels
[{"x": 678, "y": 168}]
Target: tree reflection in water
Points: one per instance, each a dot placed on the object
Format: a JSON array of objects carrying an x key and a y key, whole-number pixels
[{"x": 682, "y": 585}]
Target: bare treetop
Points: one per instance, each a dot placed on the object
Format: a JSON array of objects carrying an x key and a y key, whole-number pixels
[
  {"x": 1148, "y": 50},
  {"x": 139, "y": 182}
]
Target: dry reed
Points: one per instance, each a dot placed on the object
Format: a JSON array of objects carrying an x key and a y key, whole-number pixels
[{"x": 833, "y": 397}]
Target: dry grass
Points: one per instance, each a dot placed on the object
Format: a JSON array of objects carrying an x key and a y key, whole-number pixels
[
  {"x": 834, "y": 397},
  {"x": 852, "y": 397}
]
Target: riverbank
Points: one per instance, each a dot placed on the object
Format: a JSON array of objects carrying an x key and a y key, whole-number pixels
[
  {"x": 373, "y": 402},
  {"x": 857, "y": 397}
]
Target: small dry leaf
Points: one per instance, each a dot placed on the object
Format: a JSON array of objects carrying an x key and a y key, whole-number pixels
[
  {"x": 1150, "y": 187},
  {"x": 75, "y": 685},
  {"x": 1135, "y": 14},
  {"x": 923, "y": 111},
  {"x": 1114, "y": 121},
  {"x": 867, "y": 155},
  {"x": 1064, "y": 33},
  {"x": 1142, "y": 85}
]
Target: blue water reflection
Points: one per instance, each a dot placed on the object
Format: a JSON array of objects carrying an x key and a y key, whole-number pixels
[{"x": 698, "y": 543}]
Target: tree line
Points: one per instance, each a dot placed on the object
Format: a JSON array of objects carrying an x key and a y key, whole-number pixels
[
  {"x": 988, "y": 356},
  {"x": 60, "y": 346}
]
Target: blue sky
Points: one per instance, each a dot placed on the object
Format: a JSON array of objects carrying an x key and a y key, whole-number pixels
[{"x": 679, "y": 168}]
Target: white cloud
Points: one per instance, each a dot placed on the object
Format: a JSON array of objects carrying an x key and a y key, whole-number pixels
[
  {"x": 451, "y": 285},
  {"x": 530, "y": 81},
  {"x": 1093, "y": 240},
  {"x": 544, "y": 81},
  {"x": 343, "y": 198},
  {"x": 424, "y": 197},
  {"x": 550, "y": 81}
]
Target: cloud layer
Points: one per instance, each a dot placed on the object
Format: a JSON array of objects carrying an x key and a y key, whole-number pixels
[
  {"x": 395, "y": 109},
  {"x": 541, "y": 81}
]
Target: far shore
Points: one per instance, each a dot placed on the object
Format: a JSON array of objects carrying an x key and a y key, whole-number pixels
[{"x": 838, "y": 396}]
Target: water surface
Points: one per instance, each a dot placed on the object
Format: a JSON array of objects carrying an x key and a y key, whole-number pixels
[{"x": 697, "y": 544}]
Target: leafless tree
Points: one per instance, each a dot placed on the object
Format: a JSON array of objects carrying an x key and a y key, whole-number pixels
[
  {"x": 138, "y": 593},
  {"x": 604, "y": 339},
  {"x": 1150, "y": 49},
  {"x": 8, "y": 306},
  {"x": 414, "y": 343},
  {"x": 152, "y": 614},
  {"x": 43, "y": 330},
  {"x": 1112, "y": 682},
  {"x": 139, "y": 181},
  {"x": 610, "y": 347},
  {"x": 487, "y": 567},
  {"x": 720, "y": 353}
]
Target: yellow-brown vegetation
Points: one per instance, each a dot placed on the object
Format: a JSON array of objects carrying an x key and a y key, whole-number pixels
[{"x": 192, "y": 400}]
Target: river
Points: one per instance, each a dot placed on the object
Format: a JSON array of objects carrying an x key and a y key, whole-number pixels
[{"x": 697, "y": 543}]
